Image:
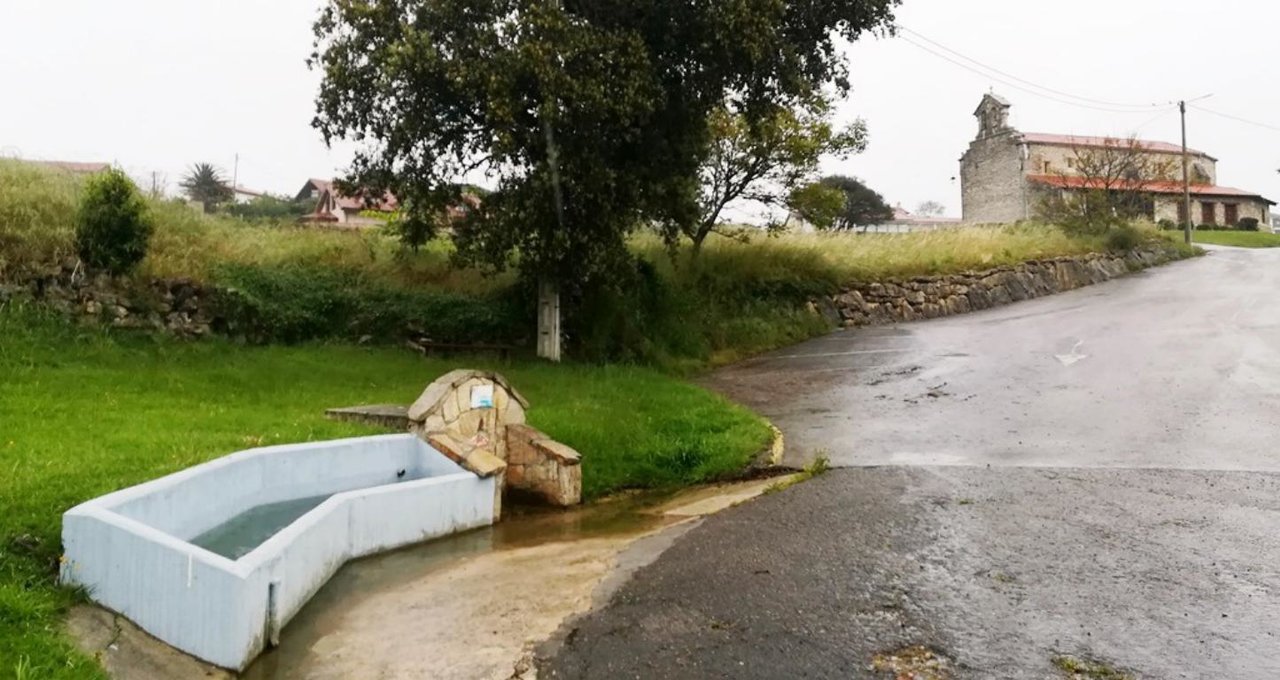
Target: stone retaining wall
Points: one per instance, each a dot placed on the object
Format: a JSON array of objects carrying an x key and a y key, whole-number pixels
[
  {"x": 929, "y": 297},
  {"x": 179, "y": 307},
  {"x": 185, "y": 309}
]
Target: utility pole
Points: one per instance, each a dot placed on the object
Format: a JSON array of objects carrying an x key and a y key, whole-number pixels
[
  {"x": 1186, "y": 175},
  {"x": 235, "y": 173}
]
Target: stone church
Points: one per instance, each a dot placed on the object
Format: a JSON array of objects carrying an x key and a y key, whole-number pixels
[{"x": 1005, "y": 174}]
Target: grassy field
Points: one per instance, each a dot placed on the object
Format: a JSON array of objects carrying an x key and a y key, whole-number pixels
[
  {"x": 680, "y": 314},
  {"x": 1239, "y": 239},
  {"x": 88, "y": 412},
  {"x": 831, "y": 260},
  {"x": 37, "y": 208}
]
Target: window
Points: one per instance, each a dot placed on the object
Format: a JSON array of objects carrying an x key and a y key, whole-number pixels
[
  {"x": 1231, "y": 214},
  {"x": 1048, "y": 167},
  {"x": 1208, "y": 213}
]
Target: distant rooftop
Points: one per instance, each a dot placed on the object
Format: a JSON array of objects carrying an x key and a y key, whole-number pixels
[
  {"x": 73, "y": 166},
  {"x": 1106, "y": 142}
]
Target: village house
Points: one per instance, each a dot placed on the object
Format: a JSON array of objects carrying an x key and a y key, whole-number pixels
[
  {"x": 1006, "y": 174},
  {"x": 336, "y": 208}
]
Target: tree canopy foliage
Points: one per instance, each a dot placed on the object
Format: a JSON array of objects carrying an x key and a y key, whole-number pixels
[
  {"x": 769, "y": 161},
  {"x": 205, "y": 184},
  {"x": 862, "y": 205},
  {"x": 592, "y": 117}
]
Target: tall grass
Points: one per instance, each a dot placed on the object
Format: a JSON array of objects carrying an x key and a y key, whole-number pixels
[
  {"x": 813, "y": 262},
  {"x": 191, "y": 244},
  {"x": 37, "y": 213},
  {"x": 37, "y": 209},
  {"x": 736, "y": 299}
]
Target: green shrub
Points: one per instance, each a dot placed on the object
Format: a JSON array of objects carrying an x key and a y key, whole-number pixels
[
  {"x": 1124, "y": 238},
  {"x": 112, "y": 224},
  {"x": 271, "y": 208},
  {"x": 297, "y": 303},
  {"x": 1167, "y": 224},
  {"x": 1247, "y": 224}
]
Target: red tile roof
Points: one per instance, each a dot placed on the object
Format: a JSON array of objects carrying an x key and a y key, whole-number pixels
[
  {"x": 1154, "y": 187},
  {"x": 1103, "y": 142},
  {"x": 387, "y": 203}
]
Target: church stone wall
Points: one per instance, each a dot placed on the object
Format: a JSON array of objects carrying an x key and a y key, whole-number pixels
[{"x": 993, "y": 182}]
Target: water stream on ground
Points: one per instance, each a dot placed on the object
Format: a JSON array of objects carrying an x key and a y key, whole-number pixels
[{"x": 520, "y": 527}]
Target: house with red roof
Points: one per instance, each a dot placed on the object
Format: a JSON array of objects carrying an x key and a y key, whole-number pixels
[
  {"x": 336, "y": 208},
  {"x": 1006, "y": 174}
]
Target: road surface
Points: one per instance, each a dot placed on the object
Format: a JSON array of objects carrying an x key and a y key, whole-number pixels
[{"x": 1093, "y": 476}]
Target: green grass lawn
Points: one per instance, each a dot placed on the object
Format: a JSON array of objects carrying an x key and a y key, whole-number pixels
[
  {"x": 1239, "y": 239},
  {"x": 86, "y": 412}
]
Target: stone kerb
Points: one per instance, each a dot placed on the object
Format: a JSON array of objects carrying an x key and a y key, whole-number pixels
[{"x": 477, "y": 419}]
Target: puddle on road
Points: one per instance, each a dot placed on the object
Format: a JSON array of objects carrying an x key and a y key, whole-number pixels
[{"x": 363, "y": 583}]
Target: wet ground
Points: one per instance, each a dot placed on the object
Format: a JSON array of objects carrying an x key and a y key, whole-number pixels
[
  {"x": 1089, "y": 478},
  {"x": 468, "y": 606}
]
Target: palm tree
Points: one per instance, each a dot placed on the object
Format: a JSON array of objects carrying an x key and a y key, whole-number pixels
[{"x": 205, "y": 184}]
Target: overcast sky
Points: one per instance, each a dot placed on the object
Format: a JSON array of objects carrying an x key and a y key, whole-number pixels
[{"x": 155, "y": 85}]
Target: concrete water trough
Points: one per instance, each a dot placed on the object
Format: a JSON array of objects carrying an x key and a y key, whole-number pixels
[{"x": 216, "y": 559}]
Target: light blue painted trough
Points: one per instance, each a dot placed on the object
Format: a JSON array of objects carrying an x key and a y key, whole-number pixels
[{"x": 285, "y": 518}]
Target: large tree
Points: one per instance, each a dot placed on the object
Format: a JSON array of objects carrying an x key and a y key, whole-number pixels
[
  {"x": 591, "y": 114},
  {"x": 931, "y": 209},
  {"x": 767, "y": 162},
  {"x": 591, "y": 117},
  {"x": 204, "y": 183},
  {"x": 862, "y": 205}
]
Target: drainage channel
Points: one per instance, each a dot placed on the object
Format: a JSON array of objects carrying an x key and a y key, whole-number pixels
[{"x": 472, "y": 604}]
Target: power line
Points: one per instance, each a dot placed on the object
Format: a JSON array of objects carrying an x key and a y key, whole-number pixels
[
  {"x": 1099, "y": 102},
  {"x": 1015, "y": 86},
  {"x": 1161, "y": 115},
  {"x": 1274, "y": 128}
]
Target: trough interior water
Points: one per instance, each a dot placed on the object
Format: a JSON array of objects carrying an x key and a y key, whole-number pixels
[{"x": 241, "y": 534}]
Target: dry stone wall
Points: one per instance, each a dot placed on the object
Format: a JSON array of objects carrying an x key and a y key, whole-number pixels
[
  {"x": 929, "y": 297},
  {"x": 179, "y": 307}
]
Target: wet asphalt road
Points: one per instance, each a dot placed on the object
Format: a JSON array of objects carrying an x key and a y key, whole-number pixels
[{"x": 1094, "y": 474}]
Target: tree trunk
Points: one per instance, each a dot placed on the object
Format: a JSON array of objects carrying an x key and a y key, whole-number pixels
[{"x": 698, "y": 237}]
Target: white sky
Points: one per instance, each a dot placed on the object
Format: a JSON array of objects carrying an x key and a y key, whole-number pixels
[{"x": 156, "y": 85}]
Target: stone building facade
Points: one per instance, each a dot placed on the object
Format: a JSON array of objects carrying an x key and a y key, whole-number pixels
[{"x": 1005, "y": 175}]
